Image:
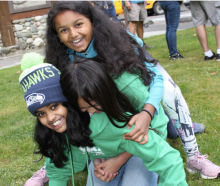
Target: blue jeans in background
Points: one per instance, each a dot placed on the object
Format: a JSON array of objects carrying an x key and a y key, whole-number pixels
[
  {"x": 110, "y": 12},
  {"x": 132, "y": 173},
  {"x": 172, "y": 16}
]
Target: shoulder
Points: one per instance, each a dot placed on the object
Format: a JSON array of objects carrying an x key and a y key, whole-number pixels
[{"x": 125, "y": 79}]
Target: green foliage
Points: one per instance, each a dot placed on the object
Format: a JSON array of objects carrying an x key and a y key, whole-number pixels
[{"x": 192, "y": 74}]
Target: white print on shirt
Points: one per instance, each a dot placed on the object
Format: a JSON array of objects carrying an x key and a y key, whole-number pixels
[{"x": 93, "y": 150}]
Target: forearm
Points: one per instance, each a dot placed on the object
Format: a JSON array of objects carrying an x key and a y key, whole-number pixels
[
  {"x": 123, "y": 158},
  {"x": 156, "y": 88},
  {"x": 150, "y": 108}
]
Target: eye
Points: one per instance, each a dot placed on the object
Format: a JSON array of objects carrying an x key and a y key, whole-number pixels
[
  {"x": 54, "y": 106},
  {"x": 78, "y": 24},
  {"x": 40, "y": 114},
  {"x": 63, "y": 30}
]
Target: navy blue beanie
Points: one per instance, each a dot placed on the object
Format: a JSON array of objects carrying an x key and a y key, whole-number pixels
[{"x": 40, "y": 83}]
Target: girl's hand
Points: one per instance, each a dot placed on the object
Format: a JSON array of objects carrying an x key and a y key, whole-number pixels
[
  {"x": 110, "y": 166},
  {"x": 100, "y": 173},
  {"x": 141, "y": 128}
]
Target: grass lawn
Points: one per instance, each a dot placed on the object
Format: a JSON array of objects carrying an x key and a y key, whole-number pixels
[{"x": 194, "y": 76}]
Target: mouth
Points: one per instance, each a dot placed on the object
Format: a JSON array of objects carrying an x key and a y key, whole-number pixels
[
  {"x": 97, "y": 111},
  {"x": 77, "y": 42},
  {"x": 57, "y": 123}
]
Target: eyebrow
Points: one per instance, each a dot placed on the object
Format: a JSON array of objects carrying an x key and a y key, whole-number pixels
[
  {"x": 73, "y": 23},
  {"x": 89, "y": 106},
  {"x": 85, "y": 107},
  {"x": 44, "y": 106}
]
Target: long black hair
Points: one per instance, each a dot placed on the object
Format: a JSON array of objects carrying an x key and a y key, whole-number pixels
[
  {"x": 89, "y": 80},
  {"x": 114, "y": 46},
  {"x": 54, "y": 145}
]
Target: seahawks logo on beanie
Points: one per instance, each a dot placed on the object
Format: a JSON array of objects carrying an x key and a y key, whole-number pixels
[
  {"x": 35, "y": 97},
  {"x": 40, "y": 82}
]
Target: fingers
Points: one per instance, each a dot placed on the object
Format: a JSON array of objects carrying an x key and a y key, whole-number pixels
[
  {"x": 134, "y": 134},
  {"x": 100, "y": 166},
  {"x": 131, "y": 122},
  {"x": 100, "y": 171},
  {"x": 97, "y": 174},
  {"x": 145, "y": 140},
  {"x": 104, "y": 178},
  {"x": 109, "y": 178}
]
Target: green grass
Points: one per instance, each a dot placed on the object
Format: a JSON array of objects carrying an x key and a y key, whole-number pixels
[{"x": 193, "y": 75}]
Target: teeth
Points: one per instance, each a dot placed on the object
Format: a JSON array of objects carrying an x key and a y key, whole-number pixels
[
  {"x": 57, "y": 122},
  {"x": 76, "y": 41}
]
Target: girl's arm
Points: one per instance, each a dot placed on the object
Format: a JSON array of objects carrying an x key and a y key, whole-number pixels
[
  {"x": 143, "y": 119},
  {"x": 142, "y": 123},
  {"x": 106, "y": 170},
  {"x": 156, "y": 86}
]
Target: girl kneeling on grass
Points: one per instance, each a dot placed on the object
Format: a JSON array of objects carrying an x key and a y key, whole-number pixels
[{"x": 60, "y": 128}]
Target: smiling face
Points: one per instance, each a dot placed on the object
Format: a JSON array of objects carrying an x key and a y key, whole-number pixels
[
  {"x": 84, "y": 106},
  {"x": 53, "y": 116},
  {"x": 74, "y": 30}
]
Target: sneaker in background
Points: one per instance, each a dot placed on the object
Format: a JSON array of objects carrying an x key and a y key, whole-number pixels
[
  {"x": 198, "y": 128},
  {"x": 217, "y": 57},
  {"x": 202, "y": 165},
  {"x": 209, "y": 58},
  {"x": 38, "y": 179},
  {"x": 176, "y": 56}
]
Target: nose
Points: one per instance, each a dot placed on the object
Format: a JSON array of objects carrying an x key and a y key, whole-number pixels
[
  {"x": 50, "y": 117},
  {"x": 91, "y": 110},
  {"x": 73, "y": 33}
]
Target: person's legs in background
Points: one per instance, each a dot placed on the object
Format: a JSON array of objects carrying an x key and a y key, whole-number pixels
[
  {"x": 136, "y": 16},
  {"x": 110, "y": 12},
  {"x": 132, "y": 26},
  {"x": 172, "y": 16},
  {"x": 201, "y": 12},
  {"x": 113, "y": 13},
  {"x": 217, "y": 36},
  {"x": 140, "y": 29},
  {"x": 165, "y": 13}
]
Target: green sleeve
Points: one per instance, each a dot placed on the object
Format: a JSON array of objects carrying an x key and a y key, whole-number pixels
[
  {"x": 159, "y": 157},
  {"x": 57, "y": 176},
  {"x": 132, "y": 86},
  {"x": 60, "y": 176}
]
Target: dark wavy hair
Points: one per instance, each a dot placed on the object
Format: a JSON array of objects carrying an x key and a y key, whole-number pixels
[
  {"x": 115, "y": 47},
  {"x": 89, "y": 80},
  {"x": 54, "y": 145}
]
